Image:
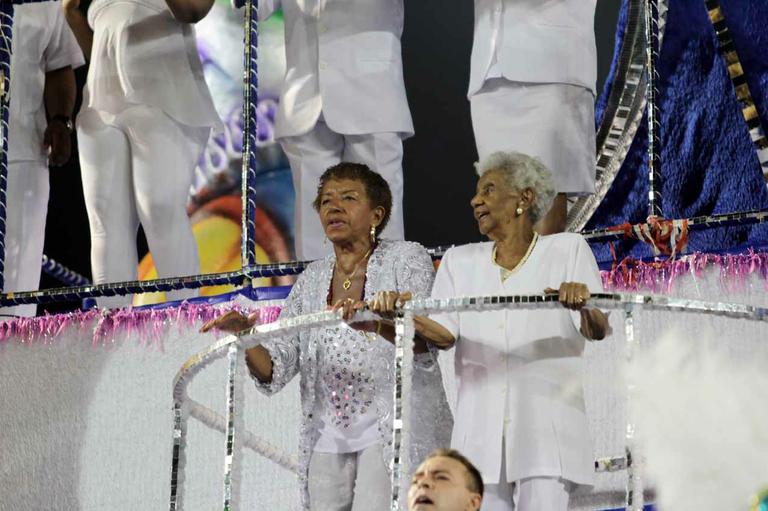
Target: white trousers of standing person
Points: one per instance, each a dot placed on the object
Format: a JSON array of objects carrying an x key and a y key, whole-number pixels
[
  {"x": 353, "y": 481},
  {"x": 529, "y": 494},
  {"x": 532, "y": 494},
  {"x": 554, "y": 122},
  {"x": 314, "y": 152},
  {"x": 26, "y": 195},
  {"x": 137, "y": 167}
]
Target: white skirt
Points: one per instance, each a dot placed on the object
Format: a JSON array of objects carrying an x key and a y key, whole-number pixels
[{"x": 551, "y": 121}]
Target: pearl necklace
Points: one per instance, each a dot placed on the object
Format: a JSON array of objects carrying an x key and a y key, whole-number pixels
[{"x": 505, "y": 272}]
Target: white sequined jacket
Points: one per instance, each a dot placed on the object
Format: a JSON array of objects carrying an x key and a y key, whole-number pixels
[{"x": 393, "y": 265}]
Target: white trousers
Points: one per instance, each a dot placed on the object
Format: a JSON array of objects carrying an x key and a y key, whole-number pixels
[
  {"x": 552, "y": 121},
  {"x": 354, "y": 481},
  {"x": 137, "y": 167},
  {"x": 313, "y": 153},
  {"x": 27, "y": 205},
  {"x": 530, "y": 494},
  {"x": 534, "y": 494}
]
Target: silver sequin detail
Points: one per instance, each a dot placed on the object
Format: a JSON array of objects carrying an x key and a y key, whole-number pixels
[{"x": 346, "y": 375}]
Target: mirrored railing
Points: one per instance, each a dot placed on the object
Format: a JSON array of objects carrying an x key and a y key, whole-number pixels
[{"x": 232, "y": 347}]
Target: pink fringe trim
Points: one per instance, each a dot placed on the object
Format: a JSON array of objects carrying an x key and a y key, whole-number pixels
[
  {"x": 151, "y": 326},
  {"x": 660, "y": 277}
]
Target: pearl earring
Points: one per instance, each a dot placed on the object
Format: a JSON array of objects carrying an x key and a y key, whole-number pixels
[{"x": 519, "y": 211}]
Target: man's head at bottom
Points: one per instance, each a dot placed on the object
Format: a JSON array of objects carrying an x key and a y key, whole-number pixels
[{"x": 446, "y": 481}]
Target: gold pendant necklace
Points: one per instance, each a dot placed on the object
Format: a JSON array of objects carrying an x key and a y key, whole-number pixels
[
  {"x": 347, "y": 282},
  {"x": 505, "y": 272}
]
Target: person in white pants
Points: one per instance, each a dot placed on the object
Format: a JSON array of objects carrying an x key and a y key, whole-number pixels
[
  {"x": 146, "y": 117},
  {"x": 42, "y": 97},
  {"x": 532, "y": 89},
  {"x": 343, "y": 99}
]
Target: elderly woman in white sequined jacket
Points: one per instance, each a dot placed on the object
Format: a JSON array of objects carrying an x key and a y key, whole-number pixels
[{"x": 346, "y": 372}]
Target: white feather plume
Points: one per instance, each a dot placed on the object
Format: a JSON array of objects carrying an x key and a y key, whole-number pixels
[{"x": 702, "y": 421}]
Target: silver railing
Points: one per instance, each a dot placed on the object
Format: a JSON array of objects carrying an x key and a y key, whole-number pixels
[{"x": 233, "y": 347}]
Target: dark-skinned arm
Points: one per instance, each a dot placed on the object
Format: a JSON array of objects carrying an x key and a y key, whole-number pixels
[
  {"x": 59, "y": 94},
  {"x": 259, "y": 363},
  {"x": 79, "y": 25},
  {"x": 258, "y": 359},
  {"x": 594, "y": 324},
  {"x": 386, "y": 329},
  {"x": 575, "y": 295},
  {"x": 434, "y": 333},
  {"x": 427, "y": 330},
  {"x": 189, "y": 11}
]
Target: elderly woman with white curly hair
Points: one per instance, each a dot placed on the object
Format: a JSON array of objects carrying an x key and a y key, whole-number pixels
[{"x": 520, "y": 413}]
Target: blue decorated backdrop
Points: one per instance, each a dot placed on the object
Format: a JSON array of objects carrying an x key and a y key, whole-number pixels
[{"x": 709, "y": 163}]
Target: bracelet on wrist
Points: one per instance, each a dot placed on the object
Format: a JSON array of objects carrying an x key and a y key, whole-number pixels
[{"x": 63, "y": 119}]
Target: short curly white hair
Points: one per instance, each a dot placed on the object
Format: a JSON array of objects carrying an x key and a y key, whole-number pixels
[{"x": 522, "y": 171}]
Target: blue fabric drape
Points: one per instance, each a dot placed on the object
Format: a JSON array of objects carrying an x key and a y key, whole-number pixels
[{"x": 708, "y": 161}]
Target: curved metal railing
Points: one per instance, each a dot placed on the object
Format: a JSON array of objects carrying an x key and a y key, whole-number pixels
[{"x": 233, "y": 345}]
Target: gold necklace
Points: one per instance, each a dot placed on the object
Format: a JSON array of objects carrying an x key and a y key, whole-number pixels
[
  {"x": 347, "y": 283},
  {"x": 505, "y": 272}
]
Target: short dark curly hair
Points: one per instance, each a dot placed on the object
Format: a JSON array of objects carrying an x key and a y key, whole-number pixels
[{"x": 376, "y": 187}]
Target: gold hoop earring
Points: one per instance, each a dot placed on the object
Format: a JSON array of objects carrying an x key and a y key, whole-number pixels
[{"x": 373, "y": 234}]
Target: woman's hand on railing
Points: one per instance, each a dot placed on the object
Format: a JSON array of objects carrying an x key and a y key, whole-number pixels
[
  {"x": 573, "y": 295},
  {"x": 387, "y": 303},
  {"x": 232, "y": 321},
  {"x": 350, "y": 308},
  {"x": 384, "y": 303}
]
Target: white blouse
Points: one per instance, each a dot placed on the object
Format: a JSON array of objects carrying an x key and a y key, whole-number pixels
[
  {"x": 142, "y": 56},
  {"x": 519, "y": 372}
]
